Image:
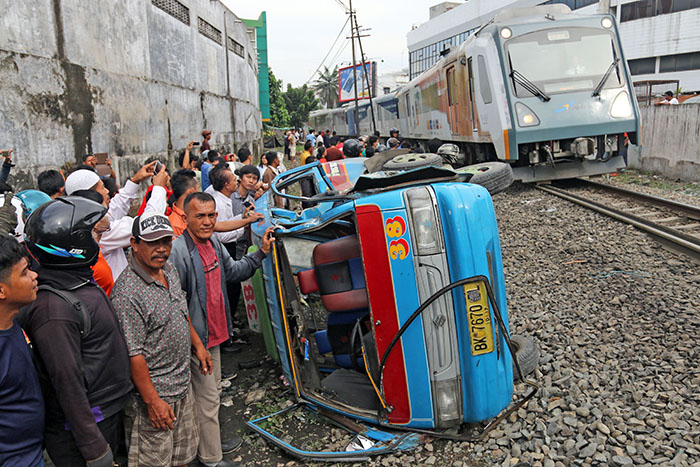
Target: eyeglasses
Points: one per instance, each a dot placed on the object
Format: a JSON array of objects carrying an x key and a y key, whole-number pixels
[{"x": 211, "y": 267}]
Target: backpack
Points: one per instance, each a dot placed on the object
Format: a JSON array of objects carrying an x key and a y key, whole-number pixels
[{"x": 84, "y": 326}]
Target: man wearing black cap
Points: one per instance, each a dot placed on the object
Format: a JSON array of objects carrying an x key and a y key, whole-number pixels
[{"x": 152, "y": 310}]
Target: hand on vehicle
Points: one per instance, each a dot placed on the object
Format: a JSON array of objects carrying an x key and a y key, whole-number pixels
[
  {"x": 205, "y": 364},
  {"x": 267, "y": 240},
  {"x": 144, "y": 172},
  {"x": 161, "y": 178},
  {"x": 161, "y": 415}
]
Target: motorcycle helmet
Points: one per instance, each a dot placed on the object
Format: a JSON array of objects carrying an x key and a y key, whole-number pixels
[
  {"x": 352, "y": 148},
  {"x": 59, "y": 234},
  {"x": 450, "y": 153},
  {"x": 394, "y": 133},
  {"x": 32, "y": 199}
]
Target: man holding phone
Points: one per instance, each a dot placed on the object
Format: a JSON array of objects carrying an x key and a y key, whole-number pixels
[{"x": 205, "y": 268}]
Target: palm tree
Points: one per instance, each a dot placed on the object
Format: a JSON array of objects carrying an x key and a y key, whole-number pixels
[{"x": 326, "y": 86}]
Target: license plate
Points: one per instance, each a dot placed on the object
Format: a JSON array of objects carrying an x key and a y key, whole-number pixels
[{"x": 479, "y": 318}]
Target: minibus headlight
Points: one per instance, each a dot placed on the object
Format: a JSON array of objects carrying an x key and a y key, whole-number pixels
[
  {"x": 526, "y": 117},
  {"x": 426, "y": 233},
  {"x": 449, "y": 402},
  {"x": 621, "y": 106},
  {"x": 606, "y": 23},
  {"x": 506, "y": 33}
]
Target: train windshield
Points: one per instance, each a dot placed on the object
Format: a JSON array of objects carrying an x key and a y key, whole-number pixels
[{"x": 563, "y": 60}]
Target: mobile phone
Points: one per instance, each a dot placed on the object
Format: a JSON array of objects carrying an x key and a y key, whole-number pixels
[
  {"x": 247, "y": 204},
  {"x": 196, "y": 143},
  {"x": 157, "y": 167}
]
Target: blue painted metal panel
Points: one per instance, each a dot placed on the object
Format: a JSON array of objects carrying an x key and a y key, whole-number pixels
[{"x": 487, "y": 380}]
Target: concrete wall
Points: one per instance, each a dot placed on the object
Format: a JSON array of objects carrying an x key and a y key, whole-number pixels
[
  {"x": 671, "y": 141},
  {"x": 122, "y": 77}
]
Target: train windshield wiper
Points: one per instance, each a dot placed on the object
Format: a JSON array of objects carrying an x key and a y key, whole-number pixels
[
  {"x": 604, "y": 79},
  {"x": 529, "y": 85}
]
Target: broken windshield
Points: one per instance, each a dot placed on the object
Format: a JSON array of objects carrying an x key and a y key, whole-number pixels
[{"x": 563, "y": 60}]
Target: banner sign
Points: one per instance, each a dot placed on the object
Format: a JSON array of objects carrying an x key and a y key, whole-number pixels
[{"x": 346, "y": 82}]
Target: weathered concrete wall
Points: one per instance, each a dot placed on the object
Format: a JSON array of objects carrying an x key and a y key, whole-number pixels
[
  {"x": 122, "y": 77},
  {"x": 671, "y": 141}
]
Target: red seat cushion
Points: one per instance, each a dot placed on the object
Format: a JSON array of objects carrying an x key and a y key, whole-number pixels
[
  {"x": 346, "y": 301},
  {"x": 307, "y": 281}
]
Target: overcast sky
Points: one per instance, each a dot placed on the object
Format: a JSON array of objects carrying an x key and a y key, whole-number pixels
[{"x": 300, "y": 33}]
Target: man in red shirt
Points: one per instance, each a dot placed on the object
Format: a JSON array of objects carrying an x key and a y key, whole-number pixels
[{"x": 205, "y": 266}]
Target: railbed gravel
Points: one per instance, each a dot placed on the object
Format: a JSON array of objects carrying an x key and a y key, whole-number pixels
[{"x": 616, "y": 319}]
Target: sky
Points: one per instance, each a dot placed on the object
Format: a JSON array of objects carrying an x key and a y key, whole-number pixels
[{"x": 300, "y": 33}]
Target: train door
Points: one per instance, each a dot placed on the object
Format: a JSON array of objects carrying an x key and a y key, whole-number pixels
[
  {"x": 472, "y": 116},
  {"x": 453, "y": 113}
]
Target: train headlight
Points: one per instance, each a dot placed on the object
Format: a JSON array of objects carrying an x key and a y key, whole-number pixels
[
  {"x": 526, "y": 117},
  {"x": 606, "y": 23},
  {"x": 621, "y": 106},
  {"x": 506, "y": 33}
]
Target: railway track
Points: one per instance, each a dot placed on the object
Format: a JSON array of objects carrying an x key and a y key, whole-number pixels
[{"x": 674, "y": 225}]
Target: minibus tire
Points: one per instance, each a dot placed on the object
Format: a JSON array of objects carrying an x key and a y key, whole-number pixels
[
  {"x": 413, "y": 161},
  {"x": 527, "y": 353},
  {"x": 494, "y": 176}
]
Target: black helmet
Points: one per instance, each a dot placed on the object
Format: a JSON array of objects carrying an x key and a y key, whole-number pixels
[
  {"x": 58, "y": 234},
  {"x": 394, "y": 130},
  {"x": 352, "y": 148}
]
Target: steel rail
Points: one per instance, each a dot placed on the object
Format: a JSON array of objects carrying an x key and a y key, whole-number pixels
[
  {"x": 692, "y": 212},
  {"x": 678, "y": 241}
]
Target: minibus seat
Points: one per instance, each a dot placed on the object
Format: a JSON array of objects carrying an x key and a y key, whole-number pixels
[{"x": 339, "y": 277}]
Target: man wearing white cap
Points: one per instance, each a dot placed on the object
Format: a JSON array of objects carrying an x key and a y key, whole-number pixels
[{"x": 118, "y": 236}]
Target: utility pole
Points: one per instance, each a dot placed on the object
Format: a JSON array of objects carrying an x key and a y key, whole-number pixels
[
  {"x": 604, "y": 7},
  {"x": 367, "y": 77},
  {"x": 354, "y": 70}
]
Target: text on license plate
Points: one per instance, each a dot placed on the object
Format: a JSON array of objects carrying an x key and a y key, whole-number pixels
[{"x": 478, "y": 318}]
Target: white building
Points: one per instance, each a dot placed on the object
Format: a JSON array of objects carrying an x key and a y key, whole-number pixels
[{"x": 661, "y": 38}]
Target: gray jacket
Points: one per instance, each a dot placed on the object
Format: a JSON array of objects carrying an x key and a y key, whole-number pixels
[{"x": 186, "y": 259}]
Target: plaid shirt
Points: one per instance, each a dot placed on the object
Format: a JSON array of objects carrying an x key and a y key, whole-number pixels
[{"x": 154, "y": 322}]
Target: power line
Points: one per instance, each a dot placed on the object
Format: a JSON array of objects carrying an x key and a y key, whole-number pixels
[{"x": 342, "y": 30}]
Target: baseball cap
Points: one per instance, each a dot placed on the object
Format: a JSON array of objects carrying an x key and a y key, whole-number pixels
[
  {"x": 151, "y": 227},
  {"x": 206, "y": 132},
  {"x": 82, "y": 179}
]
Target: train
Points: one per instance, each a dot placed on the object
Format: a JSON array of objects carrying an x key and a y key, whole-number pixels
[{"x": 543, "y": 89}]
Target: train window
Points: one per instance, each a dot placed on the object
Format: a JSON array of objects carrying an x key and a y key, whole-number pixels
[
  {"x": 572, "y": 64},
  {"x": 484, "y": 81},
  {"x": 451, "y": 87}
]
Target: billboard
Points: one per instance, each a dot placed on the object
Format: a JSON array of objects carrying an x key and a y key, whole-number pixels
[{"x": 346, "y": 82}]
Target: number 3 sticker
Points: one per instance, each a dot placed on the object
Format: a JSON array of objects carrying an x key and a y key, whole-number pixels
[
  {"x": 398, "y": 249},
  {"x": 395, "y": 227}
]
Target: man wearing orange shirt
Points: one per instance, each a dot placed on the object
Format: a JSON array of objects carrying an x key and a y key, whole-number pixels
[{"x": 183, "y": 182}]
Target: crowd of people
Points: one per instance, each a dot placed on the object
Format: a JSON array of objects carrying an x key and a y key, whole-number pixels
[{"x": 112, "y": 325}]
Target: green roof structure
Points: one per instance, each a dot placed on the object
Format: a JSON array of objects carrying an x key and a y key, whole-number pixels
[{"x": 260, "y": 26}]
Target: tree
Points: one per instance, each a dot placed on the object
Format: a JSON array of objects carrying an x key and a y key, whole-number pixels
[
  {"x": 279, "y": 116},
  {"x": 299, "y": 101},
  {"x": 326, "y": 86}
]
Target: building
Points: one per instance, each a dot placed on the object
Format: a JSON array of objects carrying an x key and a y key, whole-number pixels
[
  {"x": 257, "y": 30},
  {"x": 133, "y": 79},
  {"x": 661, "y": 38},
  {"x": 388, "y": 82}
]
